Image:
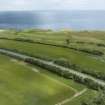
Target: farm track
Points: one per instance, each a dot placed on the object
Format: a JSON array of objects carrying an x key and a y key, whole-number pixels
[
  {"x": 49, "y": 63},
  {"x": 71, "y": 98}
]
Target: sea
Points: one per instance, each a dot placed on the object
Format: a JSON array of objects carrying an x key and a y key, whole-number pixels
[{"x": 55, "y": 20}]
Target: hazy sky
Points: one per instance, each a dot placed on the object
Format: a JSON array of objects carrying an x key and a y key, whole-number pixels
[{"x": 51, "y": 4}]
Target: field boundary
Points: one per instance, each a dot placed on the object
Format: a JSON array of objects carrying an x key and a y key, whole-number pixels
[{"x": 87, "y": 51}]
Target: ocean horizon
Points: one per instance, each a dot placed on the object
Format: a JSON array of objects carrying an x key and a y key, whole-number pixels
[{"x": 74, "y": 20}]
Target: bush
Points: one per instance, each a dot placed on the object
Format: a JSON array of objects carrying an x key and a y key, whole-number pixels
[
  {"x": 98, "y": 100},
  {"x": 68, "y": 64}
]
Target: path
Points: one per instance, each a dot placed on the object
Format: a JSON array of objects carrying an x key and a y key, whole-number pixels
[{"x": 71, "y": 98}]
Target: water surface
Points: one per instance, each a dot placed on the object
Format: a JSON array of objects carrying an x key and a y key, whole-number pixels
[{"x": 85, "y": 20}]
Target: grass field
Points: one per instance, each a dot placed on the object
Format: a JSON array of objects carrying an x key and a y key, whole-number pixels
[
  {"x": 23, "y": 84},
  {"x": 79, "y": 58}
]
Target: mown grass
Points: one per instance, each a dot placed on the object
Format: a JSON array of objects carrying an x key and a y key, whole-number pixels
[{"x": 19, "y": 85}]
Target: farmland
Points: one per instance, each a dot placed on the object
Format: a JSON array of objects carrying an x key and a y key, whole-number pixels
[
  {"x": 24, "y": 84},
  {"x": 86, "y": 61}
]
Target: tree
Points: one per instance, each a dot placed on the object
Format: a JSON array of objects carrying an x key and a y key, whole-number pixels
[{"x": 67, "y": 41}]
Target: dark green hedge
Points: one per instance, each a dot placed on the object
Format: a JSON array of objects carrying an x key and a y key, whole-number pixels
[
  {"x": 67, "y": 74},
  {"x": 66, "y": 63}
]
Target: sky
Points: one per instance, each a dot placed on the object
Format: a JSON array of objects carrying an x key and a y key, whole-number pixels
[{"x": 6, "y": 5}]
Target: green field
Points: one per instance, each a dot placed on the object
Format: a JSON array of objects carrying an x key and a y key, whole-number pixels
[
  {"x": 79, "y": 58},
  {"x": 23, "y": 84}
]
